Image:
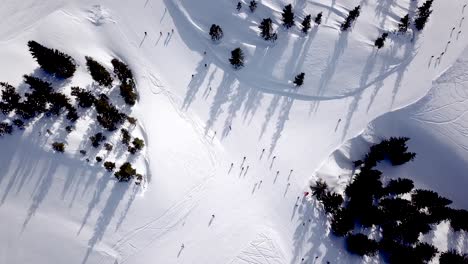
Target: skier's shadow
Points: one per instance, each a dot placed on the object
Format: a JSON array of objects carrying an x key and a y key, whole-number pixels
[{"x": 180, "y": 251}]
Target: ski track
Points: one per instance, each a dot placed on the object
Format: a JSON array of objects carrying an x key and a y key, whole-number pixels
[
  {"x": 262, "y": 250},
  {"x": 148, "y": 233}
]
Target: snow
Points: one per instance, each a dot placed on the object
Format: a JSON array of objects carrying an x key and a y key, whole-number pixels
[{"x": 59, "y": 209}]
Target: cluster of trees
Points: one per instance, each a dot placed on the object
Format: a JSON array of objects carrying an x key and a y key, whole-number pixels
[
  {"x": 422, "y": 16},
  {"x": 216, "y": 33},
  {"x": 266, "y": 30},
  {"x": 43, "y": 99},
  {"x": 368, "y": 202}
]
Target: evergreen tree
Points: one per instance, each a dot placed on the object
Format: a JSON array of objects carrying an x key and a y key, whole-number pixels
[
  {"x": 57, "y": 102},
  {"x": 10, "y": 98},
  {"x": 125, "y": 136},
  {"x": 353, "y": 14},
  {"x": 253, "y": 6},
  {"x": 423, "y": 14},
  {"x": 85, "y": 98},
  {"x": 108, "y": 116},
  {"x": 361, "y": 245},
  {"x": 58, "y": 146},
  {"x": 331, "y": 202},
  {"x": 237, "y": 58},
  {"x": 299, "y": 79},
  {"x": 452, "y": 257},
  {"x": 239, "y": 6},
  {"x": 127, "y": 91},
  {"x": 126, "y": 172},
  {"x": 306, "y": 24},
  {"x": 404, "y": 24},
  {"x": 110, "y": 166},
  {"x": 288, "y": 16},
  {"x": 319, "y": 189},
  {"x": 19, "y": 123},
  {"x": 216, "y": 32},
  {"x": 399, "y": 186},
  {"x": 52, "y": 61},
  {"x": 379, "y": 43},
  {"x": 98, "y": 72},
  {"x": 123, "y": 72},
  {"x": 428, "y": 199},
  {"x": 266, "y": 28},
  {"x": 423, "y": 253},
  {"x": 318, "y": 18},
  {"x": 458, "y": 220}
]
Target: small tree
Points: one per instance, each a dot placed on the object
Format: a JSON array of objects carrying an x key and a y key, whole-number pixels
[
  {"x": 423, "y": 15},
  {"x": 126, "y": 172},
  {"x": 342, "y": 222},
  {"x": 331, "y": 202},
  {"x": 52, "y": 61},
  {"x": 127, "y": 91},
  {"x": 237, "y": 58},
  {"x": 239, "y": 6},
  {"x": 125, "y": 136},
  {"x": 353, "y": 14},
  {"x": 404, "y": 24},
  {"x": 318, "y": 18},
  {"x": 110, "y": 166},
  {"x": 122, "y": 70},
  {"x": 98, "y": 159},
  {"x": 216, "y": 32},
  {"x": 361, "y": 245},
  {"x": 288, "y": 16},
  {"x": 299, "y": 79},
  {"x": 19, "y": 123},
  {"x": 306, "y": 24},
  {"x": 266, "y": 30},
  {"x": 380, "y": 41},
  {"x": 98, "y": 72},
  {"x": 58, "y": 146},
  {"x": 138, "y": 143},
  {"x": 253, "y": 6}
]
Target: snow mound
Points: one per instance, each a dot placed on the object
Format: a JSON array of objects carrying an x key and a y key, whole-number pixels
[{"x": 99, "y": 15}]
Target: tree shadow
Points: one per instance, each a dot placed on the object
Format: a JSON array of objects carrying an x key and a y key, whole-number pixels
[
  {"x": 221, "y": 97},
  {"x": 195, "y": 84},
  {"x": 269, "y": 113},
  {"x": 281, "y": 122}
]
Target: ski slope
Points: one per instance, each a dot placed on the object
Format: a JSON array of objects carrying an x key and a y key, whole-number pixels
[{"x": 56, "y": 208}]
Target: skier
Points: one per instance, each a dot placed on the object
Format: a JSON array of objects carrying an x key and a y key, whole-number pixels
[
  {"x": 172, "y": 30},
  {"x": 205, "y": 65},
  {"x": 182, "y": 245},
  {"x": 160, "y": 33},
  {"x": 146, "y": 33}
]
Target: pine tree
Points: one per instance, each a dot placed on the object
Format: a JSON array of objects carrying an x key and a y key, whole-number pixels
[
  {"x": 342, "y": 222},
  {"x": 239, "y": 6},
  {"x": 85, "y": 98},
  {"x": 306, "y": 24},
  {"x": 318, "y": 18},
  {"x": 380, "y": 41},
  {"x": 5, "y": 128},
  {"x": 399, "y": 186},
  {"x": 10, "y": 98},
  {"x": 319, "y": 189},
  {"x": 97, "y": 139},
  {"x": 299, "y": 79},
  {"x": 404, "y": 24},
  {"x": 125, "y": 136},
  {"x": 266, "y": 28},
  {"x": 424, "y": 12},
  {"x": 353, "y": 14},
  {"x": 127, "y": 86},
  {"x": 58, "y": 146},
  {"x": 288, "y": 16},
  {"x": 126, "y": 172},
  {"x": 216, "y": 32},
  {"x": 52, "y": 61},
  {"x": 110, "y": 166},
  {"x": 237, "y": 58},
  {"x": 253, "y": 6},
  {"x": 98, "y": 72},
  {"x": 123, "y": 72}
]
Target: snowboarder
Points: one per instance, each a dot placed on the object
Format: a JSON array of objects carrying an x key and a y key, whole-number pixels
[
  {"x": 230, "y": 128},
  {"x": 306, "y": 193},
  {"x": 205, "y": 65},
  {"x": 274, "y": 157},
  {"x": 212, "y": 216},
  {"x": 263, "y": 150}
]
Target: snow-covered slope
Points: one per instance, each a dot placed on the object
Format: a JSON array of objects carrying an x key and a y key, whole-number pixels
[{"x": 59, "y": 209}]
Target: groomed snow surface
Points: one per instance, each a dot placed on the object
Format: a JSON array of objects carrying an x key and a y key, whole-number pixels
[{"x": 56, "y": 208}]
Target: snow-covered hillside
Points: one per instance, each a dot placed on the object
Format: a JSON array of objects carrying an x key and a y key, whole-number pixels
[{"x": 198, "y": 116}]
